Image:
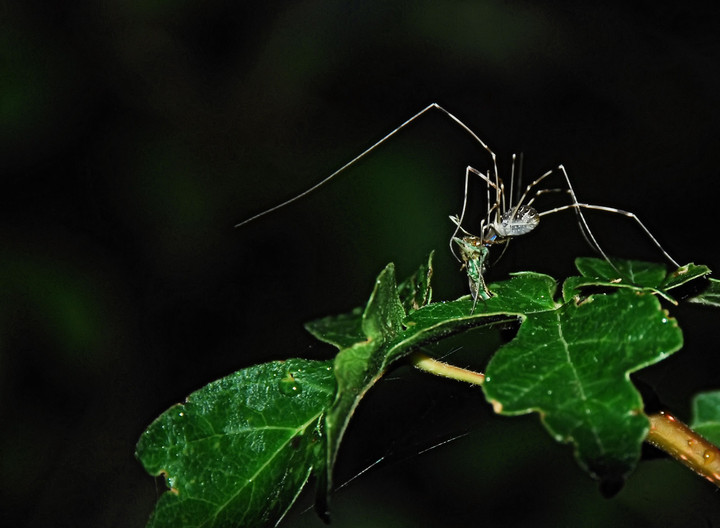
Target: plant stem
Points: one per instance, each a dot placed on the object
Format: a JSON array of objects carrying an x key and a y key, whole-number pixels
[
  {"x": 438, "y": 368},
  {"x": 666, "y": 432},
  {"x": 685, "y": 445}
]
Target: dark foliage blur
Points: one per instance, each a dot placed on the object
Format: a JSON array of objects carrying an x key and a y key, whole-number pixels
[{"x": 134, "y": 135}]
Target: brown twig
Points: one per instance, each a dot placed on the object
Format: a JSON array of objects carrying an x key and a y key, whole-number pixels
[{"x": 685, "y": 445}]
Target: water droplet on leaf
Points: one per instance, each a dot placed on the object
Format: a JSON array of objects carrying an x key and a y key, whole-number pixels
[{"x": 289, "y": 385}]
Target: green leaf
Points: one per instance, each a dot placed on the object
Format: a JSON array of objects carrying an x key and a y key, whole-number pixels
[
  {"x": 710, "y": 296},
  {"x": 415, "y": 291},
  {"x": 359, "y": 366},
  {"x": 389, "y": 338},
  {"x": 362, "y": 337},
  {"x": 706, "y": 415},
  {"x": 525, "y": 292},
  {"x": 342, "y": 331},
  {"x": 634, "y": 272},
  {"x": 630, "y": 274},
  {"x": 239, "y": 450},
  {"x": 572, "y": 365},
  {"x": 683, "y": 275},
  {"x": 345, "y": 330},
  {"x": 560, "y": 352},
  {"x": 383, "y": 315}
]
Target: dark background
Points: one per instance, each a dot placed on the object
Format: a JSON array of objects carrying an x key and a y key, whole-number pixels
[{"x": 133, "y": 136}]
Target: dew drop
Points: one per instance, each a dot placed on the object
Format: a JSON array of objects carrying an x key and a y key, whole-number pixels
[
  {"x": 289, "y": 385},
  {"x": 709, "y": 455}
]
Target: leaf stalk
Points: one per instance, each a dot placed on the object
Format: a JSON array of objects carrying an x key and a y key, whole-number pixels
[{"x": 432, "y": 366}]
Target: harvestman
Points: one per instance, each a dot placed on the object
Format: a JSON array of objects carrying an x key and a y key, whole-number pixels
[{"x": 503, "y": 220}]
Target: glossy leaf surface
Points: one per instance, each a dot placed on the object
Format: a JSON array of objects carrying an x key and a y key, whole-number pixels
[
  {"x": 572, "y": 366},
  {"x": 239, "y": 450},
  {"x": 630, "y": 274}
]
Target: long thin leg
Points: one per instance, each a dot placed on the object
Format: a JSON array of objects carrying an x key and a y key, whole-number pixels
[
  {"x": 530, "y": 187},
  {"x": 512, "y": 180},
  {"x": 459, "y": 220},
  {"x": 456, "y": 220},
  {"x": 547, "y": 191},
  {"x": 584, "y": 224},
  {"x": 495, "y": 207},
  {"x": 586, "y": 236},
  {"x": 520, "y": 177},
  {"x": 433, "y": 106},
  {"x": 567, "y": 191},
  {"x": 581, "y": 220},
  {"x": 578, "y": 206}
]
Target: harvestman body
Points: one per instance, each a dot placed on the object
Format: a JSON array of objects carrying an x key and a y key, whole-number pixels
[{"x": 503, "y": 220}]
